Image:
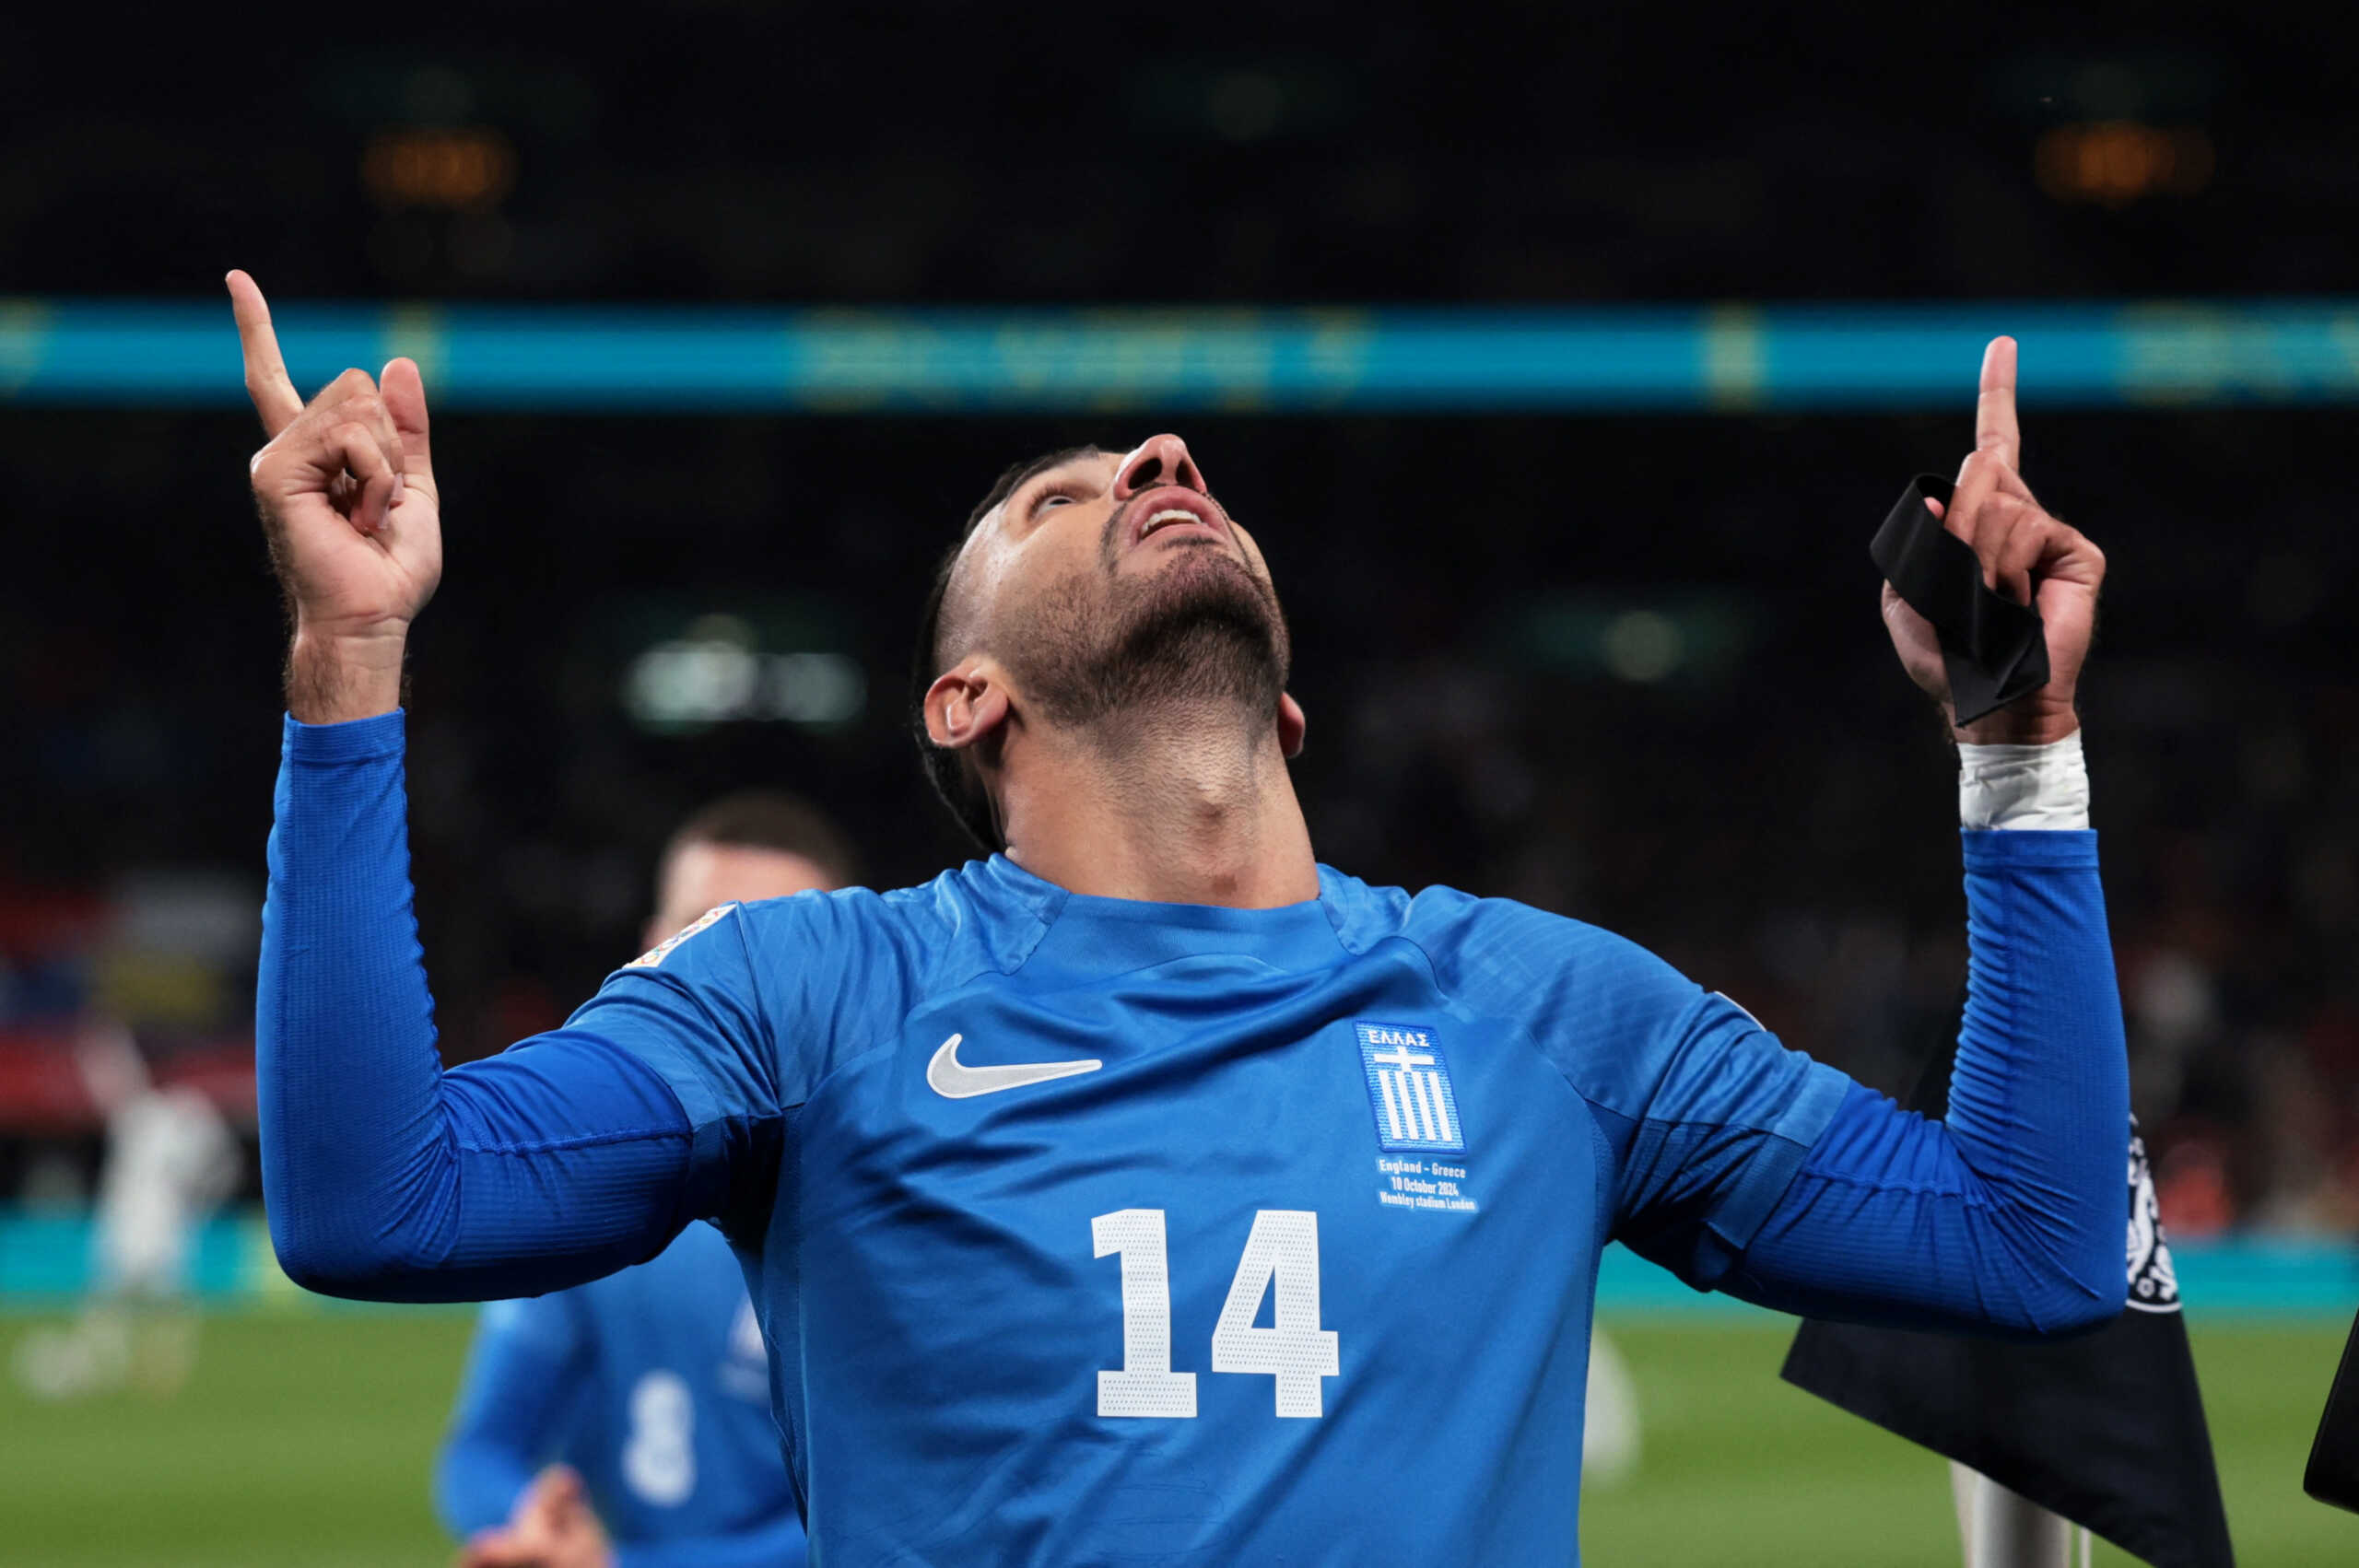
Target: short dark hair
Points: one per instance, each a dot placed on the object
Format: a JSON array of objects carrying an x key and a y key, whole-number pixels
[
  {"x": 953, "y": 778},
  {"x": 769, "y": 819}
]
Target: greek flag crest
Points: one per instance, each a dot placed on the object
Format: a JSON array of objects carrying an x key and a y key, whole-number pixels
[{"x": 1408, "y": 1088}]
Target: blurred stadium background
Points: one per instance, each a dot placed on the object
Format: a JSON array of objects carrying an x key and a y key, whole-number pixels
[{"x": 1579, "y": 579}]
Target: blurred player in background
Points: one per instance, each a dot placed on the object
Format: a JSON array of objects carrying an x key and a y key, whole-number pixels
[
  {"x": 170, "y": 1161},
  {"x": 626, "y": 1421},
  {"x": 1611, "y": 1428}
]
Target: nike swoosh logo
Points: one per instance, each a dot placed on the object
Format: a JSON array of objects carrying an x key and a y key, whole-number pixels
[{"x": 954, "y": 1079}]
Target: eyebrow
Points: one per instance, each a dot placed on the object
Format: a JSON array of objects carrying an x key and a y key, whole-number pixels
[{"x": 1043, "y": 468}]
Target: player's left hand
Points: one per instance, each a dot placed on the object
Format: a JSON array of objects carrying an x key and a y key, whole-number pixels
[
  {"x": 2026, "y": 554},
  {"x": 552, "y": 1525}
]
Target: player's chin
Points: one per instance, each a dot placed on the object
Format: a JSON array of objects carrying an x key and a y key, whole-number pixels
[
  {"x": 1219, "y": 617},
  {"x": 1189, "y": 553},
  {"x": 1206, "y": 566},
  {"x": 1201, "y": 577}
]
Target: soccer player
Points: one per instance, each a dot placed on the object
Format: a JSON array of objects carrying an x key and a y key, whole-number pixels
[
  {"x": 1147, "y": 1191},
  {"x": 651, "y": 1386},
  {"x": 171, "y": 1162}
]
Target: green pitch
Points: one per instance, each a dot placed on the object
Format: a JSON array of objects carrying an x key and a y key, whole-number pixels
[
  {"x": 304, "y": 1440},
  {"x": 1739, "y": 1467}
]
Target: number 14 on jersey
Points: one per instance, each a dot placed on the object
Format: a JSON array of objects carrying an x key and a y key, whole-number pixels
[{"x": 1281, "y": 1252}]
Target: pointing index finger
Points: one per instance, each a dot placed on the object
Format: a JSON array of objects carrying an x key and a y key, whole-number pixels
[
  {"x": 267, "y": 383},
  {"x": 1994, "y": 410}
]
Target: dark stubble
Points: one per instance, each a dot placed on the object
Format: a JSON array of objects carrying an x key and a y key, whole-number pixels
[{"x": 1104, "y": 650}]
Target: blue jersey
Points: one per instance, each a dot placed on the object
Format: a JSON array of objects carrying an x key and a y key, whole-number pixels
[
  {"x": 1087, "y": 1231},
  {"x": 1108, "y": 1231},
  {"x": 654, "y": 1383}
]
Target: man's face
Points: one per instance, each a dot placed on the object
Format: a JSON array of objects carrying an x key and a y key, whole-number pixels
[
  {"x": 700, "y": 876},
  {"x": 1109, "y": 584}
]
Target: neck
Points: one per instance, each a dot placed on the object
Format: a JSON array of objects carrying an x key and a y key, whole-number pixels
[{"x": 1178, "y": 808}]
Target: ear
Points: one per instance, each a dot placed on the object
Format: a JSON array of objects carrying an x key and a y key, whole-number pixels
[
  {"x": 1291, "y": 725},
  {"x": 965, "y": 705}
]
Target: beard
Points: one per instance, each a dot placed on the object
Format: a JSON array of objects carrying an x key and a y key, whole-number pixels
[{"x": 1105, "y": 652}]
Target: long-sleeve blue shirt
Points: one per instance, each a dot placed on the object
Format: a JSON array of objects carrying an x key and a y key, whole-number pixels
[
  {"x": 1084, "y": 1229},
  {"x": 651, "y": 1383}
]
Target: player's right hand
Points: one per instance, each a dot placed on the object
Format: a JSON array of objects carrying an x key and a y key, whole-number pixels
[
  {"x": 346, "y": 487},
  {"x": 553, "y": 1526}
]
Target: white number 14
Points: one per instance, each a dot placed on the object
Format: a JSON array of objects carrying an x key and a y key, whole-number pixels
[{"x": 1282, "y": 1251}]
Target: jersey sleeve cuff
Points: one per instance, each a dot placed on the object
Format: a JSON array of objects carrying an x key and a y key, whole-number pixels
[
  {"x": 358, "y": 739},
  {"x": 1997, "y": 852},
  {"x": 2016, "y": 788}
]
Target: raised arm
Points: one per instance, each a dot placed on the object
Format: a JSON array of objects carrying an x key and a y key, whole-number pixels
[
  {"x": 1744, "y": 1167},
  {"x": 386, "y": 1177},
  {"x": 2008, "y": 1214}
]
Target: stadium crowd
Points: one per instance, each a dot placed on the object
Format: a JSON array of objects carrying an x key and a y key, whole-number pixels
[
  {"x": 1617, "y": 666},
  {"x": 1652, "y": 703}
]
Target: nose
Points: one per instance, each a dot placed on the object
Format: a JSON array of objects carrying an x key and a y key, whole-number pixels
[{"x": 1158, "y": 460}]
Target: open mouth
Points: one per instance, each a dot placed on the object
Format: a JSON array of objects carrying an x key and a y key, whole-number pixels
[{"x": 1176, "y": 511}]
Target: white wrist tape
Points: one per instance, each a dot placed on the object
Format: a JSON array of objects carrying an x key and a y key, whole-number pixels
[{"x": 2024, "y": 787}]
